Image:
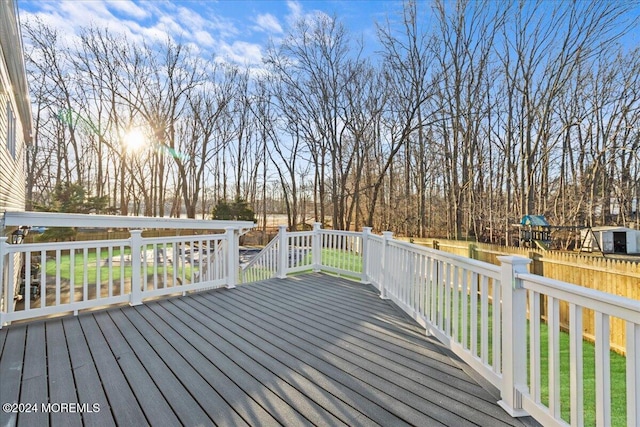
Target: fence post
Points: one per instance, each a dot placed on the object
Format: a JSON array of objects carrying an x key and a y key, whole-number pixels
[
  {"x": 316, "y": 247},
  {"x": 283, "y": 252},
  {"x": 4, "y": 283},
  {"x": 136, "y": 259},
  {"x": 386, "y": 236},
  {"x": 233, "y": 256},
  {"x": 514, "y": 333},
  {"x": 364, "y": 277}
]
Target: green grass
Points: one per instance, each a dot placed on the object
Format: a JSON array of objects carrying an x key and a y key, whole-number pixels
[
  {"x": 80, "y": 263},
  {"x": 340, "y": 259},
  {"x": 618, "y": 379},
  {"x": 617, "y": 366}
]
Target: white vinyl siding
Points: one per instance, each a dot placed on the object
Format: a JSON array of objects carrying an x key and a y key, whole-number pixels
[
  {"x": 11, "y": 130},
  {"x": 12, "y": 172}
]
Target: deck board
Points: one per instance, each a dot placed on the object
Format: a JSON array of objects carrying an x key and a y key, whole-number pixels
[
  {"x": 176, "y": 394},
  {"x": 147, "y": 393},
  {"x": 87, "y": 381},
  {"x": 60, "y": 375},
  {"x": 34, "y": 377},
  {"x": 308, "y": 350},
  {"x": 11, "y": 366},
  {"x": 287, "y": 365},
  {"x": 437, "y": 388}
]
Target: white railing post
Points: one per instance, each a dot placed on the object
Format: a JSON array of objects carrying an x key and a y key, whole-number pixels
[
  {"x": 233, "y": 256},
  {"x": 316, "y": 247},
  {"x": 364, "y": 277},
  {"x": 386, "y": 236},
  {"x": 283, "y": 252},
  {"x": 4, "y": 285},
  {"x": 514, "y": 333},
  {"x": 136, "y": 260}
]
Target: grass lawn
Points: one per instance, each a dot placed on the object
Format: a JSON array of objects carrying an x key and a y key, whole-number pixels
[
  {"x": 80, "y": 263},
  {"x": 340, "y": 259},
  {"x": 617, "y": 364},
  {"x": 618, "y": 380}
]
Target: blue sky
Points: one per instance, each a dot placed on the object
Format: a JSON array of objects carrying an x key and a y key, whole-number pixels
[{"x": 236, "y": 30}]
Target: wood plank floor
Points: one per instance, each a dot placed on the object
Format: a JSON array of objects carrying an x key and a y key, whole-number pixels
[{"x": 308, "y": 350}]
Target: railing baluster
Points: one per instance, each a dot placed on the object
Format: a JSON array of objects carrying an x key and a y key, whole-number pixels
[
  {"x": 98, "y": 279},
  {"x": 122, "y": 270},
  {"x": 447, "y": 299},
  {"x": 633, "y": 373},
  {"x": 534, "y": 345},
  {"x": 27, "y": 282},
  {"x": 4, "y": 287},
  {"x": 10, "y": 286},
  {"x": 496, "y": 335},
  {"x": 553, "y": 320},
  {"x": 484, "y": 319},
  {"x": 603, "y": 370},
  {"x": 110, "y": 268},
  {"x": 575, "y": 368},
  {"x": 465, "y": 294},
  {"x": 441, "y": 301},
  {"x": 85, "y": 280},
  {"x": 474, "y": 314},
  {"x": 456, "y": 304},
  {"x": 43, "y": 280},
  {"x": 58, "y": 267}
]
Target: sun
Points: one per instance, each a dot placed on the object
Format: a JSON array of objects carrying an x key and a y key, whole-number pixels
[{"x": 134, "y": 140}]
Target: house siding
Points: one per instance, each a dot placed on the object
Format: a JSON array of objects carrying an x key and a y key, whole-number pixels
[
  {"x": 15, "y": 120},
  {"x": 14, "y": 101}
]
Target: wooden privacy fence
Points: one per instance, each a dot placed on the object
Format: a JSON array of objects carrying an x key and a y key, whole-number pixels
[{"x": 614, "y": 276}]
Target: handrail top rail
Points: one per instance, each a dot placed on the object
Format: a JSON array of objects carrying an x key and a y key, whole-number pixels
[
  {"x": 80, "y": 244},
  {"x": 56, "y": 219},
  {"x": 606, "y": 303},
  {"x": 445, "y": 256}
]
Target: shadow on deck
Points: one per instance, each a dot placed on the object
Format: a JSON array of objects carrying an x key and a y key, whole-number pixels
[{"x": 307, "y": 350}]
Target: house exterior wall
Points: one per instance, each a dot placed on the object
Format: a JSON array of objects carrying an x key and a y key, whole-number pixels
[
  {"x": 15, "y": 125},
  {"x": 15, "y": 111}
]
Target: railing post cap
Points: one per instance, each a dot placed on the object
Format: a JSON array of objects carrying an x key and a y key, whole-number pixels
[
  {"x": 366, "y": 230},
  {"x": 137, "y": 232},
  {"x": 514, "y": 260},
  {"x": 282, "y": 227},
  {"x": 317, "y": 225},
  {"x": 387, "y": 234}
]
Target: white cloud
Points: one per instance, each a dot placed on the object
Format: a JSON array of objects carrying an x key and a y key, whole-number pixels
[
  {"x": 130, "y": 9},
  {"x": 295, "y": 11},
  {"x": 268, "y": 23},
  {"x": 242, "y": 52},
  {"x": 204, "y": 39}
]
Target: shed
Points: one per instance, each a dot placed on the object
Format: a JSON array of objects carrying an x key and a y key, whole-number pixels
[{"x": 610, "y": 240}]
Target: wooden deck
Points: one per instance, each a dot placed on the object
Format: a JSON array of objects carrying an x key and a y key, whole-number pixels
[{"x": 307, "y": 350}]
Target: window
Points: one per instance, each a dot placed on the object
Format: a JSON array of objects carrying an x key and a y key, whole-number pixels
[{"x": 11, "y": 130}]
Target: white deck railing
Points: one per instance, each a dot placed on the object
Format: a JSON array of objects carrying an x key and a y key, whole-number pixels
[
  {"x": 501, "y": 320},
  {"x": 42, "y": 279}
]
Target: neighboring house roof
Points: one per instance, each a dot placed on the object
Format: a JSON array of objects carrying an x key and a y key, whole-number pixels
[
  {"x": 534, "y": 220},
  {"x": 11, "y": 50},
  {"x": 612, "y": 228}
]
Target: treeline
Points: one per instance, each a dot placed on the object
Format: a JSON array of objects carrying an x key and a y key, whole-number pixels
[{"x": 468, "y": 116}]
